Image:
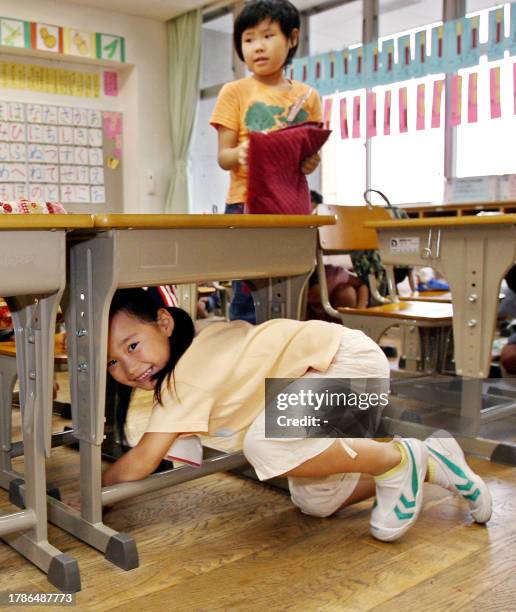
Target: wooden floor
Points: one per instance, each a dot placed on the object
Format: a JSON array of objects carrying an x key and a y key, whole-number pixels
[{"x": 225, "y": 543}]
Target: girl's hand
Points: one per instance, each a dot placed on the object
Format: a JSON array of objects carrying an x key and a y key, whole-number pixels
[
  {"x": 243, "y": 151},
  {"x": 309, "y": 164}
]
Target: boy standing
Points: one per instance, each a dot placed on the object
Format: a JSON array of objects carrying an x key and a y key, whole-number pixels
[{"x": 266, "y": 36}]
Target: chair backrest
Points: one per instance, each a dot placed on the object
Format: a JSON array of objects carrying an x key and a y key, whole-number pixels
[{"x": 349, "y": 234}]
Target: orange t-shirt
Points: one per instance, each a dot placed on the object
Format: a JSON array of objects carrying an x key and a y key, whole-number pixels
[{"x": 247, "y": 105}]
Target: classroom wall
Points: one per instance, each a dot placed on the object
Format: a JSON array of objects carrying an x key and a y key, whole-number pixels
[{"x": 143, "y": 96}]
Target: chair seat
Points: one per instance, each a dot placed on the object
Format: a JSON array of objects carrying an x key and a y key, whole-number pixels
[{"x": 430, "y": 312}]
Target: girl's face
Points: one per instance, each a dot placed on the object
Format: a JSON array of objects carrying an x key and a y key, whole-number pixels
[
  {"x": 137, "y": 349},
  {"x": 265, "y": 48}
]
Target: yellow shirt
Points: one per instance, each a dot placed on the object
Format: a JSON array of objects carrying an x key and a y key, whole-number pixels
[
  {"x": 247, "y": 105},
  {"x": 218, "y": 385}
]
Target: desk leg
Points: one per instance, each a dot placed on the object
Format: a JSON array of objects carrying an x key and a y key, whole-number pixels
[
  {"x": 279, "y": 298},
  {"x": 34, "y": 328},
  {"x": 8, "y": 375},
  {"x": 87, "y": 325}
]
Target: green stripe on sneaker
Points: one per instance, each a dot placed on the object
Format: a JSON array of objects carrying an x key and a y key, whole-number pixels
[
  {"x": 402, "y": 515},
  {"x": 415, "y": 484},
  {"x": 406, "y": 502},
  {"x": 473, "y": 496},
  {"x": 453, "y": 467},
  {"x": 465, "y": 487}
]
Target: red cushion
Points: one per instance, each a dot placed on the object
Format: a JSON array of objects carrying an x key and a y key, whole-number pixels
[{"x": 276, "y": 184}]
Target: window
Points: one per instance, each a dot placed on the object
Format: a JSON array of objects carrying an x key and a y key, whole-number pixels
[
  {"x": 336, "y": 28},
  {"x": 482, "y": 146},
  {"x": 217, "y": 49}
]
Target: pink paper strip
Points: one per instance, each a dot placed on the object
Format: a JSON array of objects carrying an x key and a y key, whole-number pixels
[
  {"x": 371, "y": 114},
  {"x": 344, "y": 132},
  {"x": 496, "y": 108},
  {"x": 514, "y": 85},
  {"x": 387, "y": 113},
  {"x": 328, "y": 103},
  {"x": 456, "y": 99},
  {"x": 473, "y": 98},
  {"x": 403, "y": 109},
  {"x": 356, "y": 117},
  {"x": 436, "y": 103},
  {"x": 420, "y": 114},
  {"x": 110, "y": 83}
]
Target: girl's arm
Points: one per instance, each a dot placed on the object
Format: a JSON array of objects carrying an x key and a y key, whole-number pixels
[
  {"x": 140, "y": 461},
  {"x": 231, "y": 154}
]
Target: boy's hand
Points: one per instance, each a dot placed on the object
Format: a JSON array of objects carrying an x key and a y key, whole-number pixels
[
  {"x": 243, "y": 151},
  {"x": 309, "y": 164}
]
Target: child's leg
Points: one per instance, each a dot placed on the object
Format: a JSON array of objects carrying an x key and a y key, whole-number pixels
[
  {"x": 324, "y": 496},
  {"x": 372, "y": 457}
]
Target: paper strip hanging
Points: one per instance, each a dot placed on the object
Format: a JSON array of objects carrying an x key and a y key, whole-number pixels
[
  {"x": 514, "y": 85},
  {"x": 496, "y": 40},
  {"x": 494, "y": 89},
  {"x": 344, "y": 132},
  {"x": 420, "y": 54},
  {"x": 456, "y": 99},
  {"x": 387, "y": 64},
  {"x": 473, "y": 97},
  {"x": 328, "y": 103},
  {"x": 371, "y": 114},
  {"x": 387, "y": 113},
  {"x": 436, "y": 103},
  {"x": 356, "y": 117},
  {"x": 420, "y": 113},
  {"x": 403, "y": 109}
]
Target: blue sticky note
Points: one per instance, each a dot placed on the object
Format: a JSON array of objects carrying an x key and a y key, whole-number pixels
[
  {"x": 372, "y": 63},
  {"x": 420, "y": 63},
  {"x": 511, "y": 43},
  {"x": 342, "y": 68},
  {"x": 436, "y": 63},
  {"x": 470, "y": 41},
  {"x": 404, "y": 65},
  {"x": 453, "y": 44},
  {"x": 387, "y": 64},
  {"x": 356, "y": 78},
  {"x": 496, "y": 39}
]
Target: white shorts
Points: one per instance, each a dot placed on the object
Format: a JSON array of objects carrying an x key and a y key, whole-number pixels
[{"x": 357, "y": 357}]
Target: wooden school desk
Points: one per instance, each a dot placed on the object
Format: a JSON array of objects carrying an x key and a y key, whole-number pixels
[
  {"x": 141, "y": 250},
  {"x": 32, "y": 280},
  {"x": 473, "y": 254}
]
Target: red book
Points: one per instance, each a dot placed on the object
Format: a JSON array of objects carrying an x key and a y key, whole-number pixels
[{"x": 276, "y": 184}]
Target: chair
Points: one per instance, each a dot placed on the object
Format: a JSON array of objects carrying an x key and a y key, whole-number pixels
[{"x": 426, "y": 326}]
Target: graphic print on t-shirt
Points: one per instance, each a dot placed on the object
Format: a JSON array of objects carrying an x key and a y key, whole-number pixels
[{"x": 261, "y": 117}]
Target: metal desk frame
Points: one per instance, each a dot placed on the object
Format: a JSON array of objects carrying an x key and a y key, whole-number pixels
[
  {"x": 473, "y": 254},
  {"x": 32, "y": 280},
  {"x": 145, "y": 250}
]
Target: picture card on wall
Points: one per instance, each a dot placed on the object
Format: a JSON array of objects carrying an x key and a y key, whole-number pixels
[
  {"x": 14, "y": 33},
  {"x": 47, "y": 37},
  {"x": 110, "y": 47},
  {"x": 79, "y": 42}
]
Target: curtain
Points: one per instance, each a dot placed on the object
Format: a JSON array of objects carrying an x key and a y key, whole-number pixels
[{"x": 184, "y": 50}]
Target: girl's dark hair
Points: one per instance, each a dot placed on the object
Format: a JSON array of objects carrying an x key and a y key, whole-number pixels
[
  {"x": 281, "y": 11},
  {"x": 139, "y": 304}
]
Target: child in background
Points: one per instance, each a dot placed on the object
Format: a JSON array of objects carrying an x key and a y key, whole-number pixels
[
  {"x": 214, "y": 383},
  {"x": 266, "y": 37},
  {"x": 345, "y": 289}
]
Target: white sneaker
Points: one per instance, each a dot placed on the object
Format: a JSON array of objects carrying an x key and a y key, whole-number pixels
[
  {"x": 448, "y": 468},
  {"x": 399, "y": 497}
]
